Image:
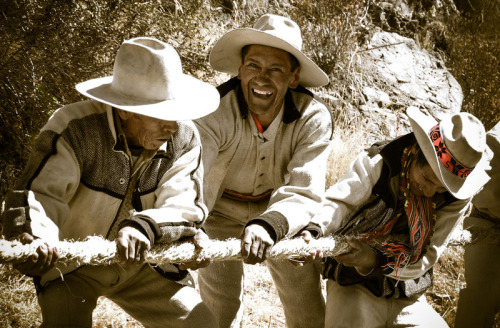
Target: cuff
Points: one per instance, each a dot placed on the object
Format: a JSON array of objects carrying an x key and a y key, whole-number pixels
[
  {"x": 314, "y": 229},
  {"x": 275, "y": 222},
  {"x": 145, "y": 224}
]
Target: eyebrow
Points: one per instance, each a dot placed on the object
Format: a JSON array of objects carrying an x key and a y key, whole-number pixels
[{"x": 251, "y": 58}]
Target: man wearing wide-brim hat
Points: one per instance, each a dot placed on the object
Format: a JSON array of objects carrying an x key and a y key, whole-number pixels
[
  {"x": 124, "y": 164},
  {"x": 479, "y": 300},
  {"x": 265, "y": 151},
  {"x": 398, "y": 204}
]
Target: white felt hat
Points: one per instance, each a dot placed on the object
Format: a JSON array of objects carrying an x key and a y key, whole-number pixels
[
  {"x": 148, "y": 80},
  {"x": 269, "y": 30}
]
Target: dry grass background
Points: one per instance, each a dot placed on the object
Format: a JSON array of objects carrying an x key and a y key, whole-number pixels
[{"x": 49, "y": 46}]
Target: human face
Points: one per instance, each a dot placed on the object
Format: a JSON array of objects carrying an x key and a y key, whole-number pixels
[
  {"x": 423, "y": 181},
  {"x": 146, "y": 132},
  {"x": 265, "y": 76}
]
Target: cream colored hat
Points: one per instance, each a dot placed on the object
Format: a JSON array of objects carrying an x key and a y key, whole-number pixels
[
  {"x": 455, "y": 148},
  {"x": 148, "y": 80},
  {"x": 269, "y": 30}
]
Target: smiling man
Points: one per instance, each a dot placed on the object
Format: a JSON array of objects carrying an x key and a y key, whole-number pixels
[
  {"x": 265, "y": 153},
  {"x": 398, "y": 205}
]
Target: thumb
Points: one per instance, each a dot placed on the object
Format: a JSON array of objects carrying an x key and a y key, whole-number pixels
[{"x": 26, "y": 238}]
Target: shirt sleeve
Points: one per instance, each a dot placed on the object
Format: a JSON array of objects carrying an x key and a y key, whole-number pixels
[
  {"x": 350, "y": 192},
  {"x": 178, "y": 209},
  {"x": 39, "y": 202},
  {"x": 293, "y": 205}
]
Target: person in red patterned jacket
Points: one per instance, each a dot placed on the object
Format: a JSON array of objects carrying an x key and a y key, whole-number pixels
[{"x": 398, "y": 205}]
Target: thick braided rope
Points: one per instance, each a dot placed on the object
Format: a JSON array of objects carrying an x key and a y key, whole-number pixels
[{"x": 97, "y": 250}]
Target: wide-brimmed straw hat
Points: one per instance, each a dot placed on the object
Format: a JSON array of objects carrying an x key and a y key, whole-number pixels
[
  {"x": 269, "y": 30},
  {"x": 455, "y": 148},
  {"x": 148, "y": 80}
]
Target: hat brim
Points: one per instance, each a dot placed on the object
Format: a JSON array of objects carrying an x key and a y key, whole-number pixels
[
  {"x": 194, "y": 100},
  {"x": 461, "y": 188},
  {"x": 226, "y": 54}
]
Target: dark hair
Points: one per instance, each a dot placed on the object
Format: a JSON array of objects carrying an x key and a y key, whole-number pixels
[
  {"x": 420, "y": 159},
  {"x": 294, "y": 63}
]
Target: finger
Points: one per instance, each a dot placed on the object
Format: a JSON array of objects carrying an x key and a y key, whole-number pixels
[
  {"x": 297, "y": 262},
  {"x": 48, "y": 260},
  {"x": 267, "y": 251},
  {"x": 138, "y": 253},
  {"x": 122, "y": 248},
  {"x": 42, "y": 252},
  {"x": 246, "y": 244},
  {"x": 131, "y": 252},
  {"x": 55, "y": 255},
  {"x": 203, "y": 263},
  {"x": 26, "y": 238},
  {"x": 306, "y": 235},
  {"x": 144, "y": 254},
  {"x": 254, "y": 250},
  {"x": 201, "y": 240}
]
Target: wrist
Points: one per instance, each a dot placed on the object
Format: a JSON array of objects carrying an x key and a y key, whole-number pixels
[{"x": 365, "y": 271}]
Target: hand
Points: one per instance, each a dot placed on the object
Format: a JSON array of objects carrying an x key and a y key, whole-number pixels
[
  {"x": 362, "y": 257},
  {"x": 133, "y": 246},
  {"x": 256, "y": 244},
  {"x": 313, "y": 255},
  {"x": 41, "y": 262},
  {"x": 201, "y": 241}
]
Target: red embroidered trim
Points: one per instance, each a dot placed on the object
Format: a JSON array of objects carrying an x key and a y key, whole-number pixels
[{"x": 445, "y": 156}]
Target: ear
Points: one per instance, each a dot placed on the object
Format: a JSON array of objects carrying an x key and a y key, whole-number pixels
[
  {"x": 295, "y": 78},
  {"x": 239, "y": 72},
  {"x": 124, "y": 115}
]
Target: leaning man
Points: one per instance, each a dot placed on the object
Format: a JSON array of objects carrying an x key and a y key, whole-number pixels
[
  {"x": 398, "y": 205},
  {"x": 119, "y": 165}
]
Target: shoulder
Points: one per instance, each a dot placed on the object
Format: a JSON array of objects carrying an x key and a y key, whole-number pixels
[
  {"x": 80, "y": 112},
  {"x": 308, "y": 103},
  {"x": 313, "y": 113}
]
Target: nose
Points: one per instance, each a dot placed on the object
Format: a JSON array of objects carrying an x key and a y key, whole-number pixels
[
  {"x": 169, "y": 126},
  {"x": 263, "y": 75},
  {"x": 429, "y": 191}
]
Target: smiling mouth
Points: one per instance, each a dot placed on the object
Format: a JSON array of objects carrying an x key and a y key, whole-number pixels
[{"x": 261, "y": 92}]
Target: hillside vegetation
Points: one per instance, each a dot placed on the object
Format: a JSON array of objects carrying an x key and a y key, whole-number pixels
[{"x": 49, "y": 46}]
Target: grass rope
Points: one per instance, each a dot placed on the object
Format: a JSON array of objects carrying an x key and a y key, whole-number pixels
[{"x": 97, "y": 250}]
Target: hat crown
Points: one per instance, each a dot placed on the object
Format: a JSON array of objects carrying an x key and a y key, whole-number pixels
[
  {"x": 280, "y": 27},
  {"x": 465, "y": 138},
  {"x": 146, "y": 68}
]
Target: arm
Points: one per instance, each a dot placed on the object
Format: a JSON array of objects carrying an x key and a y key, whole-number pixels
[
  {"x": 299, "y": 197},
  {"x": 178, "y": 210},
  {"x": 350, "y": 192},
  {"x": 292, "y": 205}
]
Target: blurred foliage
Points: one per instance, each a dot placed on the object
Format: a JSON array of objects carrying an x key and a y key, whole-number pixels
[
  {"x": 473, "y": 57},
  {"x": 49, "y": 46}
]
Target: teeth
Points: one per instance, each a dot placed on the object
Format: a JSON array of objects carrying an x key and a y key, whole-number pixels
[{"x": 260, "y": 92}]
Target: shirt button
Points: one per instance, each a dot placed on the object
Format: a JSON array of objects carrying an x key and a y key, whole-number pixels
[
  {"x": 262, "y": 174},
  {"x": 263, "y": 158},
  {"x": 122, "y": 181}
]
